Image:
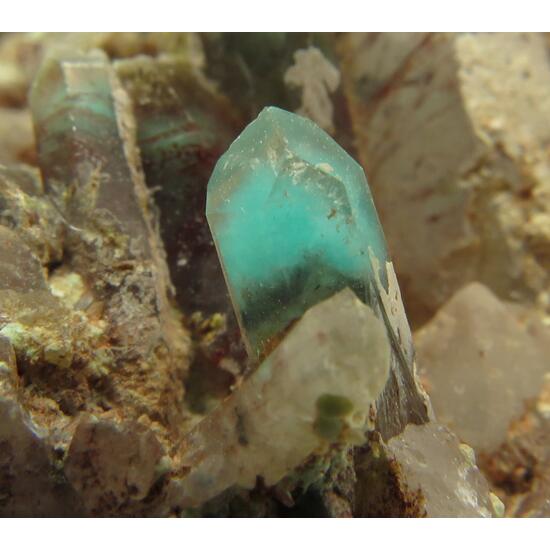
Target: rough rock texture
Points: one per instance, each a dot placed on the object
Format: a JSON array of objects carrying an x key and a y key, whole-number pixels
[
  {"x": 452, "y": 131},
  {"x": 25, "y": 209},
  {"x": 100, "y": 353}
]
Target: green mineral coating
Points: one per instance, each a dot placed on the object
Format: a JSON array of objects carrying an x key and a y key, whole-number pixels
[
  {"x": 23, "y": 340},
  {"x": 334, "y": 405},
  {"x": 293, "y": 221},
  {"x": 329, "y": 427},
  {"x": 330, "y": 411}
]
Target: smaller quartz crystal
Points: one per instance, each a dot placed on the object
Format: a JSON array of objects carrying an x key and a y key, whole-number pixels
[
  {"x": 316, "y": 388},
  {"x": 480, "y": 365}
]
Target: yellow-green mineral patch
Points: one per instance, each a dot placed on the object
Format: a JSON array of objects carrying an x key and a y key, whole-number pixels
[{"x": 68, "y": 287}]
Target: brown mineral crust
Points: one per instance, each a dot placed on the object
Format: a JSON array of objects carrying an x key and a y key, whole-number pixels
[
  {"x": 380, "y": 491},
  {"x": 422, "y": 472},
  {"x": 20, "y": 270},
  {"x": 30, "y": 483},
  {"x": 520, "y": 468}
]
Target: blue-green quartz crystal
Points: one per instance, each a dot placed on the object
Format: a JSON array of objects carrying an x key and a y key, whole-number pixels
[{"x": 294, "y": 222}]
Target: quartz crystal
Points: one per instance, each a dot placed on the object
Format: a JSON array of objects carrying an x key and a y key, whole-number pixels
[
  {"x": 181, "y": 135},
  {"x": 294, "y": 222},
  {"x": 480, "y": 364},
  {"x": 434, "y": 464},
  {"x": 92, "y": 173},
  {"x": 430, "y": 474},
  {"x": 315, "y": 389},
  {"x": 78, "y": 110}
]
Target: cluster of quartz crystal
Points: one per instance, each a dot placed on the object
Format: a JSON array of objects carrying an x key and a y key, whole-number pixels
[
  {"x": 124, "y": 386},
  {"x": 84, "y": 302}
]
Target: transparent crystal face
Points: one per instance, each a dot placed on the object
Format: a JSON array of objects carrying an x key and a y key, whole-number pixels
[{"x": 293, "y": 221}]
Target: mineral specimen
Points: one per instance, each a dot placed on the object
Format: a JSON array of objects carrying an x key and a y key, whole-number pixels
[
  {"x": 100, "y": 359},
  {"x": 294, "y": 222}
]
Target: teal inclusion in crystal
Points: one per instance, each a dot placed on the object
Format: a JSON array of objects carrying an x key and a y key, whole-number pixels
[{"x": 293, "y": 221}]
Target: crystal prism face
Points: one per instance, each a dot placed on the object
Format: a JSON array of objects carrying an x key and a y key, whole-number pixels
[{"x": 293, "y": 221}]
